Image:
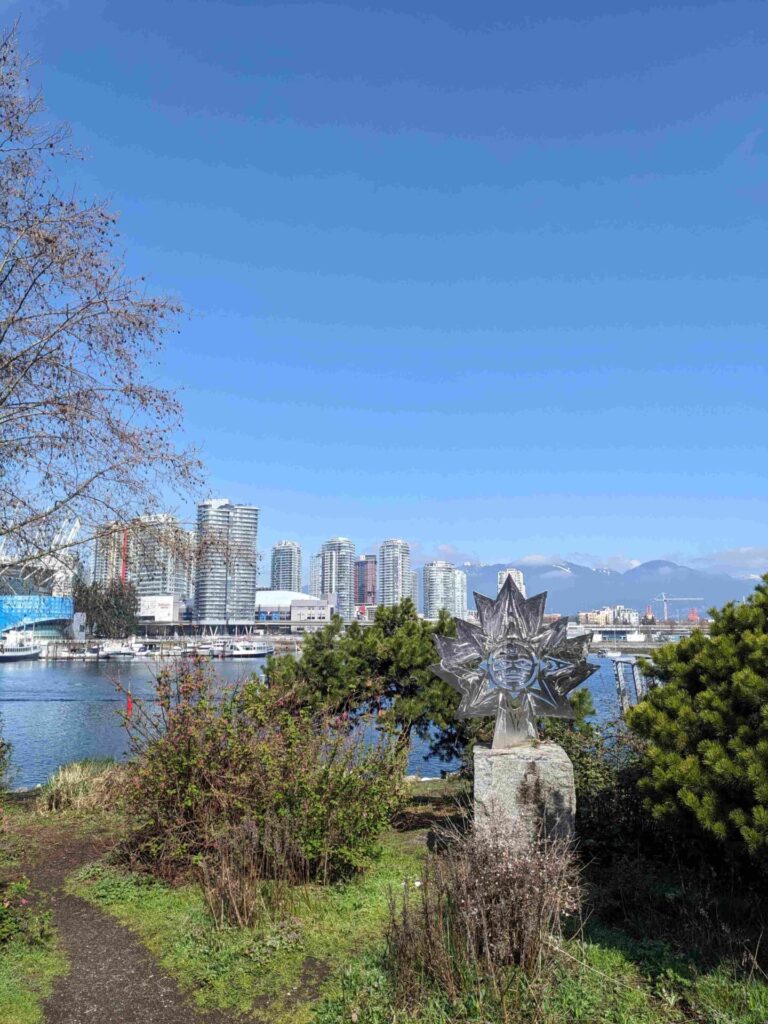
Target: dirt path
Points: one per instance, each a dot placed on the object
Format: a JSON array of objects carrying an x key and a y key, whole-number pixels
[{"x": 112, "y": 977}]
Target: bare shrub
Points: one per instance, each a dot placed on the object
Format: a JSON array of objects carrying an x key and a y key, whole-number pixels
[
  {"x": 485, "y": 912},
  {"x": 250, "y": 871},
  {"x": 90, "y": 785}
]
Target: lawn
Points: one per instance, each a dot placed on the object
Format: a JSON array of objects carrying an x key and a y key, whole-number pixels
[
  {"x": 277, "y": 973},
  {"x": 604, "y": 979},
  {"x": 27, "y": 974}
]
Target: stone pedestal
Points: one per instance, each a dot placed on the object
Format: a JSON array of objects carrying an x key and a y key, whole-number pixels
[{"x": 528, "y": 789}]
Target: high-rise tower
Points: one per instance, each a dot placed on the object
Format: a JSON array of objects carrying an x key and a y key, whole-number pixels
[
  {"x": 517, "y": 578},
  {"x": 286, "y": 565},
  {"x": 227, "y": 534},
  {"x": 365, "y": 580},
  {"x": 153, "y": 553},
  {"x": 316, "y": 575},
  {"x": 394, "y": 571},
  {"x": 445, "y": 586},
  {"x": 338, "y": 574}
]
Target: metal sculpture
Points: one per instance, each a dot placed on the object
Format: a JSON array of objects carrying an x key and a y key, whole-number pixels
[{"x": 513, "y": 665}]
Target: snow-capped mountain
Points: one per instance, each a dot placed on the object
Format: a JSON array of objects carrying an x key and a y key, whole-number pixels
[{"x": 574, "y": 588}]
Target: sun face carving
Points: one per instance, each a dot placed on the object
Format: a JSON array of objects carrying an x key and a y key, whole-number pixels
[{"x": 513, "y": 665}]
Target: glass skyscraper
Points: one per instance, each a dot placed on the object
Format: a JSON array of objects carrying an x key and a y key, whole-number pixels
[
  {"x": 286, "y": 566},
  {"x": 394, "y": 571},
  {"x": 227, "y": 564},
  {"x": 365, "y": 580},
  {"x": 517, "y": 578},
  {"x": 445, "y": 586},
  {"x": 153, "y": 553},
  {"x": 337, "y": 574}
]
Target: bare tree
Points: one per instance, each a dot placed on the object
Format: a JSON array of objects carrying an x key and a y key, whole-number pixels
[{"x": 85, "y": 433}]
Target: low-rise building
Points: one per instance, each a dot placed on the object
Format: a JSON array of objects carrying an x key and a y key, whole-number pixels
[
  {"x": 610, "y": 615},
  {"x": 291, "y": 611}
]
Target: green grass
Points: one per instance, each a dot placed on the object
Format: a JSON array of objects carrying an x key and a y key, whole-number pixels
[
  {"x": 26, "y": 979},
  {"x": 590, "y": 985},
  {"x": 276, "y": 974},
  {"x": 607, "y": 981}
]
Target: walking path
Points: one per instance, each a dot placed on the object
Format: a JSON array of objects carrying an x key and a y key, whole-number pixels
[{"x": 112, "y": 978}]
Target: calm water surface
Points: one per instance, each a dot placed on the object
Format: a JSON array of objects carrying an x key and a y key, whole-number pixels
[{"x": 55, "y": 712}]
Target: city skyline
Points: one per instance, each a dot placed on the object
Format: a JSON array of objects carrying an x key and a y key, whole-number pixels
[
  {"x": 296, "y": 571},
  {"x": 468, "y": 300}
]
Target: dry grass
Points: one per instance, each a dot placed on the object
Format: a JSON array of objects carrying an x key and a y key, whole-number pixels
[
  {"x": 251, "y": 871},
  {"x": 92, "y": 785},
  {"x": 484, "y": 911}
]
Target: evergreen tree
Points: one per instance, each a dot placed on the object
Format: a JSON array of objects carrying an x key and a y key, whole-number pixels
[
  {"x": 388, "y": 666},
  {"x": 110, "y": 608},
  {"x": 385, "y": 666},
  {"x": 706, "y": 727}
]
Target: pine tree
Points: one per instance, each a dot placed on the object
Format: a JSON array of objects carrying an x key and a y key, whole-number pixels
[{"x": 706, "y": 727}]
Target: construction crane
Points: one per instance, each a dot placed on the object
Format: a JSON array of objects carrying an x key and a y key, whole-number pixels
[{"x": 665, "y": 600}]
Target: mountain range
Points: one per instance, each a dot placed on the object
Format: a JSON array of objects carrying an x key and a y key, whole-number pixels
[{"x": 573, "y": 588}]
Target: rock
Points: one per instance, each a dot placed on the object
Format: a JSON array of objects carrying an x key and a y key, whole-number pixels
[{"x": 529, "y": 788}]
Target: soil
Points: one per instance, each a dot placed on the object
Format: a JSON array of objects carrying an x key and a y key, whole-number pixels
[{"x": 112, "y": 977}]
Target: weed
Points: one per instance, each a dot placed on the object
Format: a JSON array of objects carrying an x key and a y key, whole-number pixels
[{"x": 482, "y": 918}]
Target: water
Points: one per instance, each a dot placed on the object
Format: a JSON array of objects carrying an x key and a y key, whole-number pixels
[{"x": 60, "y": 711}]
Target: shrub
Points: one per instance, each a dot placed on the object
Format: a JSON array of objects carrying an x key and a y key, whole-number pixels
[
  {"x": 706, "y": 728},
  {"x": 245, "y": 785},
  {"x": 89, "y": 785},
  {"x": 485, "y": 913}
]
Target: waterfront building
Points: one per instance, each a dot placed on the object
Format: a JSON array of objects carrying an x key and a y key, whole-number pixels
[
  {"x": 337, "y": 574},
  {"x": 110, "y": 554},
  {"x": 445, "y": 586},
  {"x": 610, "y": 615},
  {"x": 161, "y": 552},
  {"x": 44, "y": 615},
  {"x": 517, "y": 578},
  {"x": 227, "y": 563},
  {"x": 154, "y": 553},
  {"x": 316, "y": 575},
  {"x": 365, "y": 581},
  {"x": 286, "y": 566},
  {"x": 288, "y": 611},
  {"x": 394, "y": 571}
]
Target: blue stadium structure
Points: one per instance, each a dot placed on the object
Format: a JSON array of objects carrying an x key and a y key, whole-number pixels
[{"x": 48, "y": 616}]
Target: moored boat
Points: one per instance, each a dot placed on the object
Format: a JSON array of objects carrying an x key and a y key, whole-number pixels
[
  {"x": 118, "y": 650},
  {"x": 248, "y": 649},
  {"x": 13, "y": 650}
]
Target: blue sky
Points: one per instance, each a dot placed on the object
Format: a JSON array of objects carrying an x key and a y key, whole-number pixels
[{"x": 490, "y": 277}]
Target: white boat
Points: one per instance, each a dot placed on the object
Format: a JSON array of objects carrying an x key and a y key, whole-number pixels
[
  {"x": 613, "y": 655},
  {"x": 202, "y": 650},
  {"x": 14, "y": 649},
  {"x": 636, "y": 637},
  {"x": 248, "y": 649},
  {"x": 118, "y": 650}
]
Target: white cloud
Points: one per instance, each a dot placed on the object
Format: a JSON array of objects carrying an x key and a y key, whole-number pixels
[
  {"x": 537, "y": 560},
  {"x": 734, "y": 560},
  {"x": 619, "y": 563}
]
